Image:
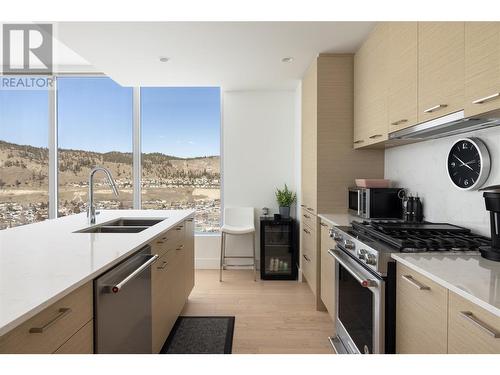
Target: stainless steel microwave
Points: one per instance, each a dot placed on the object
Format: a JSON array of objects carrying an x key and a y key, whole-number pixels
[{"x": 380, "y": 203}]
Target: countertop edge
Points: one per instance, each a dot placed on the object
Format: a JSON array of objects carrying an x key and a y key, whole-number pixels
[
  {"x": 328, "y": 218},
  {"x": 31, "y": 313},
  {"x": 470, "y": 297}
]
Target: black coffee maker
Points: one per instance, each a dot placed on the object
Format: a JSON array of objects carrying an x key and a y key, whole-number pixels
[{"x": 492, "y": 201}]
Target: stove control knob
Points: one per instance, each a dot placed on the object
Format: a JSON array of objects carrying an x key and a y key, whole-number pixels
[
  {"x": 362, "y": 254},
  {"x": 336, "y": 236},
  {"x": 371, "y": 259},
  {"x": 349, "y": 245}
]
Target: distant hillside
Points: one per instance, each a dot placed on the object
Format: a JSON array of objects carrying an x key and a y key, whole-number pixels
[{"x": 22, "y": 165}]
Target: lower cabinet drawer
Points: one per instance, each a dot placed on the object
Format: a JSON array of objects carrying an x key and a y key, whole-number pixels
[
  {"x": 421, "y": 314},
  {"x": 308, "y": 219},
  {"x": 471, "y": 329},
  {"x": 81, "y": 342},
  {"x": 169, "y": 240},
  {"x": 308, "y": 239},
  {"x": 48, "y": 330},
  {"x": 309, "y": 270},
  {"x": 166, "y": 284}
]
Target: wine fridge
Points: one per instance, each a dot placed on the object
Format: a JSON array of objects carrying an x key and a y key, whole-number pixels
[{"x": 278, "y": 250}]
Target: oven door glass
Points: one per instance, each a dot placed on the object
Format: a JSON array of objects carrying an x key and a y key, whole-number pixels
[{"x": 355, "y": 310}]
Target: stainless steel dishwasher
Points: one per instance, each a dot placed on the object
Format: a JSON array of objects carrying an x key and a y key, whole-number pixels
[{"x": 122, "y": 306}]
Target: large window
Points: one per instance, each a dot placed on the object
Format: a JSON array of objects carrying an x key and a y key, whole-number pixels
[
  {"x": 181, "y": 152},
  {"x": 95, "y": 123},
  {"x": 24, "y": 158},
  {"x": 93, "y": 118}
]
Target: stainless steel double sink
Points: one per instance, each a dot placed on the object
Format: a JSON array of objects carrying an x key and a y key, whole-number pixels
[{"x": 122, "y": 225}]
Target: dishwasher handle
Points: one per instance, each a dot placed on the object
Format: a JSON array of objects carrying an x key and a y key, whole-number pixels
[{"x": 116, "y": 288}]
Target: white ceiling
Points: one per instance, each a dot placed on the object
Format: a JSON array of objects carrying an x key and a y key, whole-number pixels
[{"x": 234, "y": 55}]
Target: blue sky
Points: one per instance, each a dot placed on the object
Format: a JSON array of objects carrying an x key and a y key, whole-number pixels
[{"x": 95, "y": 114}]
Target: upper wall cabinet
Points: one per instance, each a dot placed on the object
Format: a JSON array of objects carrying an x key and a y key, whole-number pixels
[
  {"x": 440, "y": 68},
  {"x": 370, "y": 89},
  {"x": 403, "y": 72},
  {"x": 482, "y": 67}
]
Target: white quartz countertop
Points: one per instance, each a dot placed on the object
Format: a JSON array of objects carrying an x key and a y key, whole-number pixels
[
  {"x": 470, "y": 276},
  {"x": 338, "y": 219},
  {"x": 41, "y": 263}
]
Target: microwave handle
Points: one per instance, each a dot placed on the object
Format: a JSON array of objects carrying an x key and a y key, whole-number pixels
[{"x": 360, "y": 210}]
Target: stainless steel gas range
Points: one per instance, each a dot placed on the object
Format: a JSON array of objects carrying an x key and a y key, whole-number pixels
[{"x": 366, "y": 276}]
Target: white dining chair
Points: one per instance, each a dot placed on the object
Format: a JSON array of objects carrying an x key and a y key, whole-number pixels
[{"x": 238, "y": 221}]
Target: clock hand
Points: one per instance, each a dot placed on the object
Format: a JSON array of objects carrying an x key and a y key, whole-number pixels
[
  {"x": 464, "y": 164},
  {"x": 471, "y": 162}
]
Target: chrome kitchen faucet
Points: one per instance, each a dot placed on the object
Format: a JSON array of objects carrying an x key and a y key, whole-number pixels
[{"x": 91, "y": 212}]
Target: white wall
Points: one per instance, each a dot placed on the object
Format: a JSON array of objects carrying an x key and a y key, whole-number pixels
[
  {"x": 259, "y": 153},
  {"x": 421, "y": 167}
]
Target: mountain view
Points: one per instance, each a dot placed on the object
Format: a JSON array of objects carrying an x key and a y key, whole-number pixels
[{"x": 167, "y": 182}]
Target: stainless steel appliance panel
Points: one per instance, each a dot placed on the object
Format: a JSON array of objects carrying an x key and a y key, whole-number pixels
[
  {"x": 122, "y": 303},
  {"x": 360, "y": 296}
]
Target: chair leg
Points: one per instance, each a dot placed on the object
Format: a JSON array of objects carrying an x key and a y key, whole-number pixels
[
  {"x": 254, "y": 259},
  {"x": 222, "y": 246}
]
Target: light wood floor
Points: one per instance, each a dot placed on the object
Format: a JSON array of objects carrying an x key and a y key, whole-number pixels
[{"x": 271, "y": 316}]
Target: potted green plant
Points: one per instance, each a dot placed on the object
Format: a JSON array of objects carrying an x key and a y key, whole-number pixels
[{"x": 285, "y": 199}]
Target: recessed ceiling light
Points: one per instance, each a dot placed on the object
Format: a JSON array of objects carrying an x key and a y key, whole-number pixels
[
  {"x": 164, "y": 59},
  {"x": 287, "y": 59}
]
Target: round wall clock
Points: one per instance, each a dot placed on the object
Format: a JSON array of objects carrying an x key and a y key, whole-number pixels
[{"x": 468, "y": 163}]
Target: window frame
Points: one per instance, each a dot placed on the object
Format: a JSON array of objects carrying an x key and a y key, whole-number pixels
[{"x": 136, "y": 147}]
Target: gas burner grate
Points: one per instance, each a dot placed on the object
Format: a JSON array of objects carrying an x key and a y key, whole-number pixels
[{"x": 422, "y": 237}]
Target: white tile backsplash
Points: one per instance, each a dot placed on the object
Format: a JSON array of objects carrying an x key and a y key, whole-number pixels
[{"x": 421, "y": 168}]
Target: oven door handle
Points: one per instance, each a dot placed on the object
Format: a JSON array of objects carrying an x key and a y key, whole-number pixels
[{"x": 344, "y": 261}]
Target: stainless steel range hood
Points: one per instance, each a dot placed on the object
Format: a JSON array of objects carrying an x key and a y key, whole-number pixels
[{"x": 454, "y": 123}]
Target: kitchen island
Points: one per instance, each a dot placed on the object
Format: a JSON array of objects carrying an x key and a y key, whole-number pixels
[{"x": 45, "y": 262}]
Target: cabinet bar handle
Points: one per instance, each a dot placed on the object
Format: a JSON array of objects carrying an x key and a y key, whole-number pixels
[
  {"x": 375, "y": 136},
  {"x": 359, "y": 141},
  {"x": 402, "y": 121},
  {"x": 303, "y": 205},
  {"x": 306, "y": 216},
  {"x": 310, "y": 209},
  {"x": 323, "y": 224},
  {"x": 305, "y": 230},
  {"x": 306, "y": 258},
  {"x": 481, "y": 325},
  {"x": 486, "y": 98},
  {"x": 180, "y": 247},
  {"x": 63, "y": 311},
  {"x": 436, "y": 107},
  {"x": 415, "y": 283}
]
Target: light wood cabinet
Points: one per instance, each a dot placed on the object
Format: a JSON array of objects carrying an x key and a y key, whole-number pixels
[
  {"x": 309, "y": 138},
  {"x": 172, "y": 279},
  {"x": 403, "y": 75},
  {"x": 421, "y": 314},
  {"x": 371, "y": 89},
  {"x": 329, "y": 162},
  {"x": 82, "y": 342},
  {"x": 327, "y": 270},
  {"x": 309, "y": 246},
  {"x": 441, "y": 59},
  {"x": 471, "y": 329},
  {"x": 51, "y": 328},
  {"x": 189, "y": 257},
  {"x": 482, "y": 67}
]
